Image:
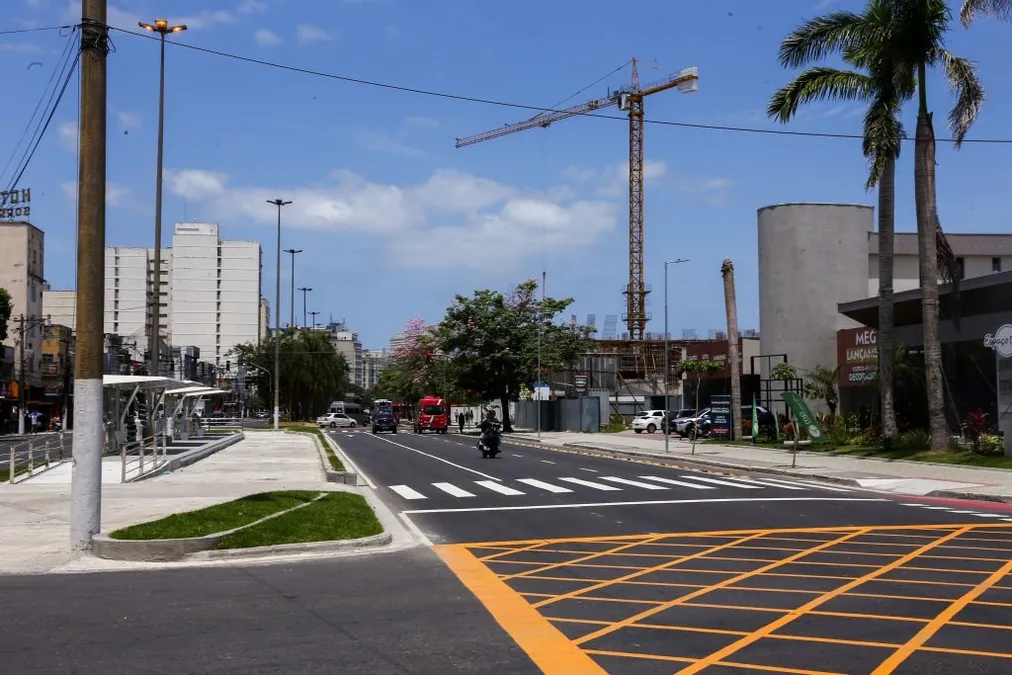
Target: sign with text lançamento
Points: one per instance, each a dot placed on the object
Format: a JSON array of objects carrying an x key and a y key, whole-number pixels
[{"x": 15, "y": 204}]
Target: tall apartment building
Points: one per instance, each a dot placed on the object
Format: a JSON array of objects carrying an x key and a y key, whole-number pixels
[
  {"x": 22, "y": 249},
  {"x": 209, "y": 294},
  {"x": 215, "y": 294},
  {"x": 374, "y": 362},
  {"x": 347, "y": 343}
]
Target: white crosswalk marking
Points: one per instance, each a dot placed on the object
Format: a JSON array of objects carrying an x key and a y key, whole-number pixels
[
  {"x": 634, "y": 483},
  {"x": 831, "y": 488},
  {"x": 406, "y": 492},
  {"x": 723, "y": 482},
  {"x": 590, "y": 484},
  {"x": 451, "y": 489},
  {"x": 498, "y": 487},
  {"x": 783, "y": 486},
  {"x": 671, "y": 481},
  {"x": 534, "y": 482}
]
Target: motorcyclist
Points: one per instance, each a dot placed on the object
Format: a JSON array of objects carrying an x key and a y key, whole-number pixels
[{"x": 488, "y": 425}]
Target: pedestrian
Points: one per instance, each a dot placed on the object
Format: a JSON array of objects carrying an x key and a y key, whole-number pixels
[{"x": 460, "y": 422}]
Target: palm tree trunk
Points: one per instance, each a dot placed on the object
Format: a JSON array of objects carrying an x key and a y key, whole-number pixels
[
  {"x": 734, "y": 365},
  {"x": 886, "y": 234},
  {"x": 924, "y": 186}
]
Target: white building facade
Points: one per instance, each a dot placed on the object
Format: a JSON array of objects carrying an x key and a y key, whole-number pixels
[
  {"x": 22, "y": 249},
  {"x": 374, "y": 362}
]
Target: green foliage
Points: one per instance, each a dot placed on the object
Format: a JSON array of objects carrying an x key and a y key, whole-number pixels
[
  {"x": 699, "y": 367},
  {"x": 615, "y": 425},
  {"x": 313, "y": 373},
  {"x": 491, "y": 340},
  {"x": 820, "y": 385},
  {"x": 6, "y": 307},
  {"x": 784, "y": 371},
  {"x": 915, "y": 439},
  {"x": 990, "y": 444}
]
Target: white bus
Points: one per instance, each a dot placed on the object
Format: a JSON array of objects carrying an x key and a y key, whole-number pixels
[{"x": 352, "y": 410}]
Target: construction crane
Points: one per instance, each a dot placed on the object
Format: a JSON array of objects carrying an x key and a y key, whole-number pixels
[{"x": 629, "y": 100}]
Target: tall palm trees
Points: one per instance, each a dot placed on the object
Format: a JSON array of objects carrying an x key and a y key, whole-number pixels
[
  {"x": 893, "y": 42},
  {"x": 999, "y": 9}
]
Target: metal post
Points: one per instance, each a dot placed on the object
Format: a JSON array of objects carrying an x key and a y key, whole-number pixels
[
  {"x": 541, "y": 322},
  {"x": 86, "y": 481},
  {"x": 21, "y": 374},
  {"x": 277, "y": 319},
  {"x": 10, "y": 478},
  {"x": 156, "y": 285},
  {"x": 666, "y": 426},
  {"x": 291, "y": 319},
  {"x": 305, "y": 292}
]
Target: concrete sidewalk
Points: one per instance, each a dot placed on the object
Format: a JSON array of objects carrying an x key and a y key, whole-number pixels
[
  {"x": 34, "y": 517},
  {"x": 896, "y": 476}
]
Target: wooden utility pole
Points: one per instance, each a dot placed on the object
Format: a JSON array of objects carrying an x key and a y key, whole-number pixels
[{"x": 89, "y": 430}]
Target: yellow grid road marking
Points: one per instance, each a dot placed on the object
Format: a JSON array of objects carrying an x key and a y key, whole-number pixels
[{"x": 555, "y": 653}]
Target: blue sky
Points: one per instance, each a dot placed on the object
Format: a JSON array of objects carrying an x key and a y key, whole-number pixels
[{"x": 395, "y": 221}]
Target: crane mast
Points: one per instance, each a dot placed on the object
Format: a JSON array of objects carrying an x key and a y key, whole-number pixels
[{"x": 631, "y": 102}]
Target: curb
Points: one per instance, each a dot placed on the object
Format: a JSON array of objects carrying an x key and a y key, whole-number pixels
[
  {"x": 334, "y": 546},
  {"x": 975, "y": 496},
  {"x": 342, "y": 477},
  {"x": 188, "y": 458}
]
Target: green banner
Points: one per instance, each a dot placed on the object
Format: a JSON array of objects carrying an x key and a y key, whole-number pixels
[{"x": 803, "y": 415}]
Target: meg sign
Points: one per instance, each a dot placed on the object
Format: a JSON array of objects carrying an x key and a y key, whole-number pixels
[{"x": 1000, "y": 341}]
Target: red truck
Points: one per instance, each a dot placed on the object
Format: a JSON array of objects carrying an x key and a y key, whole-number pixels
[{"x": 433, "y": 415}]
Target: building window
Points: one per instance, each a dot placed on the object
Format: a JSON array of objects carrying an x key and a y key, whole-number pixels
[
  {"x": 961, "y": 263},
  {"x": 996, "y": 264}
]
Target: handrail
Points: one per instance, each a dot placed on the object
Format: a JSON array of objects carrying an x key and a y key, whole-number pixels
[
  {"x": 140, "y": 456},
  {"x": 23, "y": 457}
]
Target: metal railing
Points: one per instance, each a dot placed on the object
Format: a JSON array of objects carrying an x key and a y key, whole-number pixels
[
  {"x": 144, "y": 455},
  {"x": 221, "y": 425},
  {"x": 25, "y": 457}
]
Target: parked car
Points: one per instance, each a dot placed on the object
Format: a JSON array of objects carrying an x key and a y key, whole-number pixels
[
  {"x": 648, "y": 421},
  {"x": 334, "y": 420},
  {"x": 383, "y": 420},
  {"x": 704, "y": 421}
]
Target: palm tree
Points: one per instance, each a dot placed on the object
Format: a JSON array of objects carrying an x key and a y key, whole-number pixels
[
  {"x": 882, "y": 136},
  {"x": 895, "y": 41},
  {"x": 999, "y": 9},
  {"x": 734, "y": 365}
]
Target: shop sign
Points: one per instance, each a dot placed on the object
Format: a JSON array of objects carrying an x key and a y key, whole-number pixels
[
  {"x": 1000, "y": 341},
  {"x": 857, "y": 356}
]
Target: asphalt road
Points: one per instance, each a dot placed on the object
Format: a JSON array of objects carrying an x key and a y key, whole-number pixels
[
  {"x": 390, "y": 613},
  {"x": 632, "y": 567}
]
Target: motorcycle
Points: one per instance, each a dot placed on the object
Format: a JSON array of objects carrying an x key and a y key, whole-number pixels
[{"x": 489, "y": 441}]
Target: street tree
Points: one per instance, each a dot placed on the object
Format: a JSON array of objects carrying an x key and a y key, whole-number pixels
[
  {"x": 733, "y": 355},
  {"x": 820, "y": 385},
  {"x": 313, "y": 373},
  {"x": 6, "y": 307},
  {"x": 491, "y": 340}
]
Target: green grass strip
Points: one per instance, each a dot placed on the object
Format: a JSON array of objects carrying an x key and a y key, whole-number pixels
[
  {"x": 339, "y": 515},
  {"x": 217, "y": 518}
]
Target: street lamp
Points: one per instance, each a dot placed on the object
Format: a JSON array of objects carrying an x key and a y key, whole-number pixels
[
  {"x": 667, "y": 357},
  {"x": 277, "y": 318},
  {"x": 537, "y": 386},
  {"x": 293, "y": 251},
  {"x": 304, "y": 290},
  {"x": 313, "y": 314},
  {"x": 162, "y": 27}
]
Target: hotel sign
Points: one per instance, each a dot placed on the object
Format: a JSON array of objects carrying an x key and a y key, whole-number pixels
[{"x": 15, "y": 204}]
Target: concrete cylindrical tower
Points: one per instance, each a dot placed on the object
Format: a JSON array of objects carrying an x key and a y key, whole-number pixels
[{"x": 811, "y": 257}]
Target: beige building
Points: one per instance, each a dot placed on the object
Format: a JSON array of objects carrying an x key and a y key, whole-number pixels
[{"x": 22, "y": 251}]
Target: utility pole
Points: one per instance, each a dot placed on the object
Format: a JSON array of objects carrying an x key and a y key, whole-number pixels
[
  {"x": 667, "y": 354},
  {"x": 277, "y": 319},
  {"x": 89, "y": 430},
  {"x": 291, "y": 319},
  {"x": 304, "y": 290},
  {"x": 541, "y": 323}
]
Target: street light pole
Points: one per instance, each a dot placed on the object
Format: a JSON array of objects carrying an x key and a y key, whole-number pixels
[
  {"x": 293, "y": 251},
  {"x": 667, "y": 358},
  {"x": 304, "y": 290},
  {"x": 277, "y": 319},
  {"x": 162, "y": 27},
  {"x": 313, "y": 314},
  {"x": 541, "y": 308}
]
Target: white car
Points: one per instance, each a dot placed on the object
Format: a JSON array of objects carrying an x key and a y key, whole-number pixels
[
  {"x": 334, "y": 420},
  {"x": 648, "y": 421}
]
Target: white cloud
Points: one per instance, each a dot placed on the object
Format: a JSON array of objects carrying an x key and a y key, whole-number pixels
[
  {"x": 307, "y": 33},
  {"x": 67, "y": 132},
  {"x": 616, "y": 179},
  {"x": 251, "y": 6},
  {"x": 715, "y": 191},
  {"x": 452, "y": 219},
  {"x": 378, "y": 142},
  {"x": 266, "y": 38},
  {"x": 128, "y": 120},
  {"x": 115, "y": 194}
]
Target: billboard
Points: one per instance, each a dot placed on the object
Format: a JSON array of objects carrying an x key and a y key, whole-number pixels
[{"x": 857, "y": 356}]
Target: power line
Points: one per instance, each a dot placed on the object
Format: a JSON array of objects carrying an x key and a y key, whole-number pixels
[
  {"x": 521, "y": 106},
  {"x": 33, "y": 30}
]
